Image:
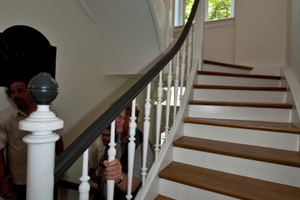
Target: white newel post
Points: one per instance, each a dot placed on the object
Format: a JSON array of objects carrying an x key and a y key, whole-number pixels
[{"x": 41, "y": 142}]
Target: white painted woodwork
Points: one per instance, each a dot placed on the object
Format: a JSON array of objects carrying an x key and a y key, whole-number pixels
[
  {"x": 158, "y": 114},
  {"x": 41, "y": 152},
  {"x": 84, "y": 186},
  {"x": 184, "y": 192},
  {"x": 263, "y": 70},
  {"x": 189, "y": 59},
  {"x": 254, "y": 96},
  {"x": 278, "y": 140},
  {"x": 215, "y": 68},
  {"x": 237, "y": 81},
  {"x": 240, "y": 113},
  {"x": 176, "y": 83},
  {"x": 111, "y": 156},
  {"x": 146, "y": 133},
  {"x": 169, "y": 82},
  {"x": 131, "y": 149},
  {"x": 182, "y": 72},
  {"x": 244, "y": 167}
]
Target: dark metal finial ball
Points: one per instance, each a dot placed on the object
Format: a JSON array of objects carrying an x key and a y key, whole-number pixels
[{"x": 43, "y": 88}]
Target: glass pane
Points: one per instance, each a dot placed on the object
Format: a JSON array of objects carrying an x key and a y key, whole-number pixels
[
  {"x": 219, "y": 9},
  {"x": 188, "y": 8}
]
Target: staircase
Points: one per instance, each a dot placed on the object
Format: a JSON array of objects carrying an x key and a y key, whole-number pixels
[{"x": 238, "y": 141}]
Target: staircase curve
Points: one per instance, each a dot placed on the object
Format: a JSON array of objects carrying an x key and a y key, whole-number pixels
[{"x": 237, "y": 140}]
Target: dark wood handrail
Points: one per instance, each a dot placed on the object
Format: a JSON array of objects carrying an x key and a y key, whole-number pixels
[{"x": 79, "y": 146}]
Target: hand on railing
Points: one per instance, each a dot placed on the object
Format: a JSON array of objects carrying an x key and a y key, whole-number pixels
[{"x": 113, "y": 170}]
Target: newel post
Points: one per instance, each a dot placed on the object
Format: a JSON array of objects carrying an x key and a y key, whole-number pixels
[{"x": 41, "y": 142}]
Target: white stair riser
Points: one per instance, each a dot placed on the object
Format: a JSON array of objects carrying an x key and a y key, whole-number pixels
[
  {"x": 239, "y": 166},
  {"x": 183, "y": 192},
  {"x": 278, "y": 140},
  {"x": 240, "y": 113},
  {"x": 239, "y": 95},
  {"x": 237, "y": 81},
  {"x": 263, "y": 70},
  {"x": 215, "y": 68}
]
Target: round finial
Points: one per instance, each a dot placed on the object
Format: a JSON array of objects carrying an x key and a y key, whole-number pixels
[{"x": 43, "y": 89}]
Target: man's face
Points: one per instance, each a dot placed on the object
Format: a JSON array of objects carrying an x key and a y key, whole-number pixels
[
  {"x": 106, "y": 137},
  {"x": 122, "y": 123},
  {"x": 19, "y": 94}
]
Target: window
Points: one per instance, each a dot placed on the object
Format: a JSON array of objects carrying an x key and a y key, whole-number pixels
[
  {"x": 219, "y": 9},
  {"x": 215, "y": 9}
]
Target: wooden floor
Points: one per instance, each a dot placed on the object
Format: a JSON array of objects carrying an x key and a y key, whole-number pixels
[
  {"x": 239, "y": 75},
  {"x": 277, "y": 156},
  {"x": 228, "y": 87},
  {"x": 233, "y": 185},
  {"x": 160, "y": 197},
  {"x": 255, "y": 125},
  {"x": 228, "y": 184},
  {"x": 242, "y": 104},
  {"x": 227, "y": 65}
]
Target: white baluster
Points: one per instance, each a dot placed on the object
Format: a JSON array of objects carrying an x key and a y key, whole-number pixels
[
  {"x": 146, "y": 133},
  {"x": 182, "y": 73},
  {"x": 84, "y": 187},
  {"x": 196, "y": 40},
  {"x": 189, "y": 59},
  {"x": 176, "y": 82},
  {"x": 41, "y": 152},
  {"x": 169, "y": 82},
  {"x": 111, "y": 156},
  {"x": 194, "y": 43},
  {"x": 158, "y": 114},
  {"x": 131, "y": 149}
]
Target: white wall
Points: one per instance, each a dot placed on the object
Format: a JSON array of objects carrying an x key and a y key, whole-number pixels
[
  {"x": 260, "y": 31},
  {"x": 258, "y": 36},
  {"x": 219, "y": 43},
  {"x": 84, "y": 91},
  {"x": 132, "y": 37}
]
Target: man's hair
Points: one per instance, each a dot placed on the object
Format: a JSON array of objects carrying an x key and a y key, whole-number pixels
[
  {"x": 137, "y": 111},
  {"x": 128, "y": 110},
  {"x": 15, "y": 79}
]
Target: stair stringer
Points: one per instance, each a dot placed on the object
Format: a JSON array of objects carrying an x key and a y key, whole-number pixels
[
  {"x": 151, "y": 186},
  {"x": 293, "y": 95}
]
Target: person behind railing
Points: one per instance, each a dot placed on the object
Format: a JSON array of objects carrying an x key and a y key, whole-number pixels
[
  {"x": 11, "y": 137},
  {"x": 117, "y": 169},
  {"x": 96, "y": 163}
]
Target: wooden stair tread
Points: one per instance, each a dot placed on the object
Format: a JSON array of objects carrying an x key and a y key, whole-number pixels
[
  {"x": 242, "y": 104},
  {"x": 227, "y": 184},
  {"x": 271, "y": 155},
  {"x": 229, "y": 87},
  {"x": 255, "y": 125},
  {"x": 161, "y": 197},
  {"x": 239, "y": 75},
  {"x": 227, "y": 65}
]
